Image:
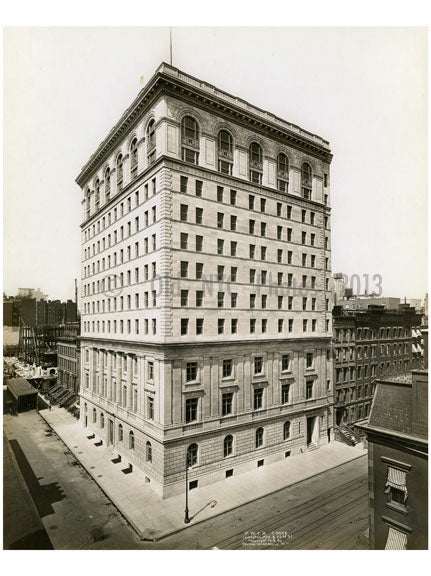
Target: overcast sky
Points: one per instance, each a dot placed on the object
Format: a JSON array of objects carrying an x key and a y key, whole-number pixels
[{"x": 364, "y": 90}]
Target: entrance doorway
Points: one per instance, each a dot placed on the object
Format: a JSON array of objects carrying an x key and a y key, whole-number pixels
[
  {"x": 111, "y": 432},
  {"x": 313, "y": 430}
]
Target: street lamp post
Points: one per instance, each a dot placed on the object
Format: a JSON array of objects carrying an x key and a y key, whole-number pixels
[{"x": 186, "y": 511}]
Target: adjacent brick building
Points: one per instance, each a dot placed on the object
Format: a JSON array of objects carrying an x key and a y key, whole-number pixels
[
  {"x": 397, "y": 432},
  {"x": 68, "y": 357},
  {"x": 206, "y": 258},
  {"x": 367, "y": 345}
]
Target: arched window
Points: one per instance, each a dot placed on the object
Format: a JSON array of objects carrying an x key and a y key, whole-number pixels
[
  {"x": 228, "y": 446},
  {"x": 131, "y": 440},
  {"x": 120, "y": 432},
  {"x": 102, "y": 420},
  {"x": 225, "y": 152},
  {"x": 119, "y": 171},
  {"x": 134, "y": 158},
  {"x": 190, "y": 140},
  {"x": 286, "y": 430},
  {"x": 259, "y": 437},
  {"x": 255, "y": 163},
  {"x": 192, "y": 455},
  {"x": 97, "y": 193},
  {"x": 107, "y": 184},
  {"x": 94, "y": 415},
  {"x": 282, "y": 172},
  {"x": 306, "y": 180},
  {"x": 151, "y": 141},
  {"x": 148, "y": 452},
  {"x": 87, "y": 203}
]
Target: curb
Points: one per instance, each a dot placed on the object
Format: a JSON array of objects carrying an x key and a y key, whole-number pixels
[{"x": 142, "y": 533}]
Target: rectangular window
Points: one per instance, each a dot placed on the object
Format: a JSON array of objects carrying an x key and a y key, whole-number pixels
[
  {"x": 198, "y": 188},
  {"x": 252, "y": 325},
  {"x": 234, "y": 325},
  {"x": 285, "y": 362},
  {"x": 184, "y": 241},
  {"x": 184, "y": 297},
  {"x": 183, "y": 184},
  {"x": 150, "y": 408},
  {"x": 184, "y": 267},
  {"x": 227, "y": 403},
  {"x": 220, "y": 219},
  {"x": 184, "y": 326},
  {"x": 309, "y": 360},
  {"x": 219, "y": 193},
  {"x": 220, "y": 299},
  {"x": 280, "y": 302},
  {"x": 199, "y": 215},
  {"x": 220, "y": 272},
  {"x": 233, "y": 222},
  {"x": 233, "y": 299},
  {"x": 258, "y": 365},
  {"x": 233, "y": 247},
  {"x": 191, "y": 371},
  {"x": 191, "y": 410},
  {"x": 285, "y": 393},
  {"x": 258, "y": 399},
  {"x": 263, "y": 229},
  {"x": 227, "y": 368},
  {"x": 184, "y": 212},
  {"x": 220, "y": 326},
  {"x": 251, "y": 226},
  {"x": 264, "y": 325},
  {"x": 199, "y": 243},
  {"x": 263, "y": 252},
  {"x": 233, "y": 197},
  {"x": 220, "y": 246},
  {"x": 279, "y": 232},
  {"x": 199, "y": 326},
  {"x": 262, "y": 204},
  {"x": 289, "y": 234},
  {"x": 252, "y": 251},
  {"x": 309, "y": 389},
  {"x": 199, "y": 270},
  {"x": 279, "y": 256},
  {"x": 279, "y": 207},
  {"x": 280, "y": 324},
  {"x": 233, "y": 273}
]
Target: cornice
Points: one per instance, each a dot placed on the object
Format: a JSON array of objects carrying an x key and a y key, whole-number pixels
[{"x": 171, "y": 81}]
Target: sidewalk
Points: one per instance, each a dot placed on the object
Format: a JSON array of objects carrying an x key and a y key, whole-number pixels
[{"x": 154, "y": 518}]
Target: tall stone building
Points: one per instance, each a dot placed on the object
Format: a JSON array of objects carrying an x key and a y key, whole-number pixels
[{"x": 206, "y": 325}]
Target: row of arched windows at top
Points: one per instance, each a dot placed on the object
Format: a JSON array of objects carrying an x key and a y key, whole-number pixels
[{"x": 190, "y": 146}]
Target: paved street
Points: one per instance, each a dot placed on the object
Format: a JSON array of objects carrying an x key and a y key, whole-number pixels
[{"x": 328, "y": 511}]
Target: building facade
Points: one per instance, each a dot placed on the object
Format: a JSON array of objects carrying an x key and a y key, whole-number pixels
[
  {"x": 397, "y": 433},
  {"x": 206, "y": 323},
  {"x": 367, "y": 345},
  {"x": 68, "y": 356}
]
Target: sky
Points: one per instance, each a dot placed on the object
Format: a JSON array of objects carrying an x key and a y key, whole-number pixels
[{"x": 363, "y": 89}]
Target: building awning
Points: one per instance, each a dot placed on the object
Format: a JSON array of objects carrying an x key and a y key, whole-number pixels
[
  {"x": 396, "y": 540},
  {"x": 396, "y": 479}
]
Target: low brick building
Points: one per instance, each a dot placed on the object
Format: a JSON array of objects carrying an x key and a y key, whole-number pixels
[{"x": 397, "y": 432}]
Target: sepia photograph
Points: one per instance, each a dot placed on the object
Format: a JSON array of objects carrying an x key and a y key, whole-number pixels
[{"x": 215, "y": 288}]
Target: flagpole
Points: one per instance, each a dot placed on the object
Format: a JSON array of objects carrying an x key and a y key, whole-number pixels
[{"x": 170, "y": 44}]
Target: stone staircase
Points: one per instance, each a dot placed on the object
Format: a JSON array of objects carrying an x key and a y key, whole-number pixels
[{"x": 346, "y": 435}]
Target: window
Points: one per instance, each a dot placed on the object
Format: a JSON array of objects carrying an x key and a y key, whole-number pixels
[
  {"x": 227, "y": 403},
  {"x": 198, "y": 188},
  {"x": 233, "y": 299},
  {"x": 102, "y": 420},
  {"x": 184, "y": 267},
  {"x": 151, "y": 141},
  {"x": 183, "y": 212},
  {"x": 199, "y": 243},
  {"x": 233, "y": 273},
  {"x": 251, "y": 226},
  {"x": 184, "y": 241},
  {"x": 234, "y": 325},
  {"x": 220, "y": 326},
  {"x": 220, "y": 299},
  {"x": 286, "y": 430},
  {"x": 191, "y": 371},
  {"x": 119, "y": 171},
  {"x": 282, "y": 172},
  {"x": 285, "y": 362},
  {"x": 184, "y": 297},
  {"x": 258, "y": 365},
  {"x": 184, "y": 326},
  {"x": 396, "y": 486},
  {"x": 263, "y": 252},
  {"x": 148, "y": 452},
  {"x": 263, "y": 229},
  {"x": 233, "y": 221},
  {"x": 306, "y": 180},
  {"x": 259, "y": 438},
  {"x": 309, "y": 389},
  {"x": 285, "y": 393},
  {"x": 199, "y": 215},
  {"x": 228, "y": 446},
  {"x": 280, "y": 302},
  {"x": 183, "y": 184},
  {"x": 192, "y": 455},
  {"x": 150, "y": 370},
  {"x": 220, "y": 246},
  {"x": 252, "y": 251},
  {"x": 220, "y": 219},
  {"x": 227, "y": 368},
  {"x": 120, "y": 432},
  {"x": 251, "y": 202},
  {"x": 190, "y": 140},
  {"x": 252, "y": 325},
  {"x": 131, "y": 440},
  {"x": 199, "y": 270},
  {"x": 233, "y": 197},
  {"x": 199, "y": 325},
  {"x": 134, "y": 158},
  {"x": 225, "y": 152},
  {"x": 258, "y": 398},
  {"x": 255, "y": 163},
  {"x": 107, "y": 184},
  {"x": 97, "y": 194},
  {"x": 309, "y": 360},
  {"x": 191, "y": 409}
]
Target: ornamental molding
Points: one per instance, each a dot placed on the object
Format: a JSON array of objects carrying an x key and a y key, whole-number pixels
[{"x": 170, "y": 81}]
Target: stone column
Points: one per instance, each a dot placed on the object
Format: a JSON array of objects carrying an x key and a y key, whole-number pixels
[
  {"x": 129, "y": 376},
  {"x": 109, "y": 376},
  {"x": 118, "y": 388}
]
